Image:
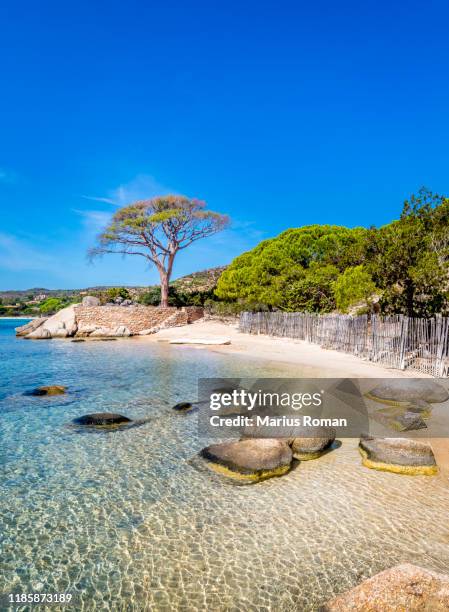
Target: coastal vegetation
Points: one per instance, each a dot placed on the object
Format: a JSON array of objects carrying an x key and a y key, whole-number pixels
[
  {"x": 157, "y": 229},
  {"x": 401, "y": 267},
  {"x": 190, "y": 290}
]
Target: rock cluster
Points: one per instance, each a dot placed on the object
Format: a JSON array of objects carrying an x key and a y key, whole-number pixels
[
  {"x": 61, "y": 325},
  {"x": 409, "y": 402},
  {"x": 252, "y": 459}
]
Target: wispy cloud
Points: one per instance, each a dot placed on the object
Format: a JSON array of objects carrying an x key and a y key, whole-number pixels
[
  {"x": 143, "y": 186},
  {"x": 18, "y": 255},
  {"x": 95, "y": 199},
  {"x": 94, "y": 220}
]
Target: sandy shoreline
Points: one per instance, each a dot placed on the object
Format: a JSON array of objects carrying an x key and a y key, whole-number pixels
[{"x": 311, "y": 360}]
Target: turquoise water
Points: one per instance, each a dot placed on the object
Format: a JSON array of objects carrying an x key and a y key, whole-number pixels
[{"x": 124, "y": 521}]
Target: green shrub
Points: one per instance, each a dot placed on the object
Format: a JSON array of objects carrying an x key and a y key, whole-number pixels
[
  {"x": 51, "y": 305},
  {"x": 353, "y": 286}
]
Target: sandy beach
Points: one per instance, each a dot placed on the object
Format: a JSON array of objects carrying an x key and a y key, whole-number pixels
[{"x": 311, "y": 359}]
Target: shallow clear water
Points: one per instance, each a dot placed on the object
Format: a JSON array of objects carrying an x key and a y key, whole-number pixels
[{"x": 125, "y": 521}]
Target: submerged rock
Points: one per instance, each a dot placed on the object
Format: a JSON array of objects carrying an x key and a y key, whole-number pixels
[
  {"x": 398, "y": 455},
  {"x": 249, "y": 460},
  {"x": 406, "y": 391},
  {"x": 317, "y": 442},
  {"x": 102, "y": 419},
  {"x": 78, "y": 340},
  {"x": 48, "y": 390},
  {"x": 405, "y": 587},
  {"x": 398, "y": 419},
  {"x": 184, "y": 407}
]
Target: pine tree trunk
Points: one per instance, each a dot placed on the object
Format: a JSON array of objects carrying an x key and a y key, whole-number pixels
[{"x": 164, "y": 289}]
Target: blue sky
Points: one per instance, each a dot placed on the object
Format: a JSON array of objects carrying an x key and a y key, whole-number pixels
[{"x": 279, "y": 114}]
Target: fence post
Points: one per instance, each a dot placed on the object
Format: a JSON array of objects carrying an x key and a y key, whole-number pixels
[{"x": 404, "y": 342}]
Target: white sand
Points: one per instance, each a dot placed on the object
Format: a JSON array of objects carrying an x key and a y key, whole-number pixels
[{"x": 311, "y": 359}]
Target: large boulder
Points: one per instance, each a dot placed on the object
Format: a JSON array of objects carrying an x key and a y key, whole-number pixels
[
  {"x": 305, "y": 442},
  {"x": 401, "y": 588},
  {"x": 86, "y": 330},
  {"x": 122, "y": 331},
  {"x": 398, "y": 455},
  {"x": 41, "y": 333},
  {"x": 61, "y": 325},
  {"x": 26, "y": 329},
  {"x": 406, "y": 391},
  {"x": 249, "y": 460},
  {"x": 101, "y": 332},
  {"x": 102, "y": 419},
  {"x": 316, "y": 442},
  {"x": 90, "y": 300}
]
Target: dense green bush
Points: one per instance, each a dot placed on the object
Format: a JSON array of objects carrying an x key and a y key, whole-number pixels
[
  {"x": 51, "y": 305},
  {"x": 294, "y": 271},
  {"x": 355, "y": 285},
  {"x": 320, "y": 268}
]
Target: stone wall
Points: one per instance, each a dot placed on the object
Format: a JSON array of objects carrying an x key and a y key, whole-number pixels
[{"x": 135, "y": 318}]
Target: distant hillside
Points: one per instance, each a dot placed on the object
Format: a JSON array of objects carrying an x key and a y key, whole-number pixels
[{"x": 197, "y": 281}]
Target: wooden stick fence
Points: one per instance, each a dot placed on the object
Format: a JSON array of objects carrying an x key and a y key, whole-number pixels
[{"x": 396, "y": 341}]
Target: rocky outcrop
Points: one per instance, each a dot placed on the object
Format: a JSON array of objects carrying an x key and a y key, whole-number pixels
[
  {"x": 401, "y": 588},
  {"x": 86, "y": 320},
  {"x": 48, "y": 390},
  {"x": 398, "y": 455},
  {"x": 61, "y": 325},
  {"x": 39, "y": 334},
  {"x": 317, "y": 442},
  {"x": 26, "y": 329},
  {"x": 249, "y": 460}
]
